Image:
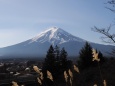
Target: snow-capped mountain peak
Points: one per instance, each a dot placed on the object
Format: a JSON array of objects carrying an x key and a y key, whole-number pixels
[
  {"x": 54, "y": 36},
  {"x": 38, "y": 46}
]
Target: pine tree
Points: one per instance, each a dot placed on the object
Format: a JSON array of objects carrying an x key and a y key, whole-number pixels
[
  {"x": 63, "y": 55},
  {"x": 50, "y": 57},
  {"x": 57, "y": 53},
  {"x": 49, "y": 63},
  {"x": 102, "y": 58},
  {"x": 85, "y": 56},
  {"x": 63, "y": 59},
  {"x": 55, "y": 62}
]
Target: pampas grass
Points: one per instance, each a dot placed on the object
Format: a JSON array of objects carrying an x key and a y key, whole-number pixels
[
  {"x": 22, "y": 85},
  {"x": 95, "y": 85},
  {"x": 96, "y": 58},
  {"x": 14, "y": 83},
  {"x": 41, "y": 76},
  {"x": 36, "y": 69},
  {"x": 95, "y": 55},
  {"x": 39, "y": 81},
  {"x": 76, "y": 68},
  {"x": 104, "y": 83},
  {"x": 70, "y": 81},
  {"x": 65, "y": 76},
  {"x": 70, "y": 74},
  {"x": 49, "y": 75}
]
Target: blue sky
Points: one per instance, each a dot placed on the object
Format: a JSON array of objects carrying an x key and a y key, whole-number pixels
[{"x": 21, "y": 20}]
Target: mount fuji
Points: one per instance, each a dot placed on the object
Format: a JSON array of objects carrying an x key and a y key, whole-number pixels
[{"x": 38, "y": 46}]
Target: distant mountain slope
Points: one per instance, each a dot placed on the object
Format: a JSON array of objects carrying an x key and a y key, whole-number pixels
[{"x": 38, "y": 46}]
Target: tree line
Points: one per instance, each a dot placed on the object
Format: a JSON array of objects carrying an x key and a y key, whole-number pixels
[{"x": 56, "y": 60}]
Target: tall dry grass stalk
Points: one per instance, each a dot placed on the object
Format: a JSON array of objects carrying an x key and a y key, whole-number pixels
[
  {"x": 95, "y": 85},
  {"x": 65, "y": 76},
  {"x": 49, "y": 75},
  {"x": 70, "y": 81},
  {"x": 22, "y": 85},
  {"x": 39, "y": 81},
  {"x": 104, "y": 83},
  {"x": 70, "y": 74},
  {"x": 41, "y": 76},
  {"x": 76, "y": 68},
  {"x": 95, "y": 55},
  {"x": 96, "y": 58},
  {"x": 36, "y": 69},
  {"x": 14, "y": 83}
]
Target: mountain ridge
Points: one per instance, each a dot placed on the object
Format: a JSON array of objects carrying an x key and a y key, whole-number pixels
[{"x": 38, "y": 45}]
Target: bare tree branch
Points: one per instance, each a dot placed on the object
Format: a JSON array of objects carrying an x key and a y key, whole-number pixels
[
  {"x": 108, "y": 37},
  {"x": 111, "y": 2},
  {"x": 111, "y": 9}
]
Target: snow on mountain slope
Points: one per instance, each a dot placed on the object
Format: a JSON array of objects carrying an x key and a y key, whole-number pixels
[
  {"x": 54, "y": 36},
  {"x": 38, "y": 46}
]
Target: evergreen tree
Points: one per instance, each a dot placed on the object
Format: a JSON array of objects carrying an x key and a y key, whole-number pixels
[
  {"x": 49, "y": 63},
  {"x": 63, "y": 59},
  {"x": 85, "y": 56},
  {"x": 57, "y": 53},
  {"x": 56, "y": 62},
  {"x": 63, "y": 55},
  {"x": 50, "y": 57},
  {"x": 102, "y": 58}
]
